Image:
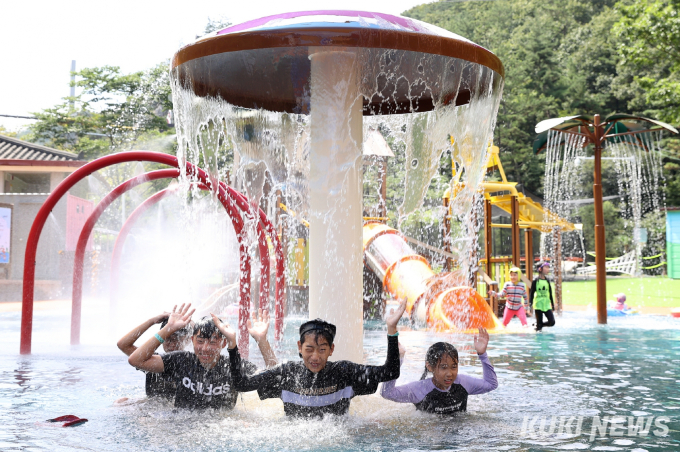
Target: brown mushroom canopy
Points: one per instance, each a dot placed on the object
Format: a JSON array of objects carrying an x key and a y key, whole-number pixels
[{"x": 405, "y": 65}]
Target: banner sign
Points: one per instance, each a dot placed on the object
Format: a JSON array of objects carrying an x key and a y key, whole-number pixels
[
  {"x": 77, "y": 212},
  {"x": 5, "y": 233}
]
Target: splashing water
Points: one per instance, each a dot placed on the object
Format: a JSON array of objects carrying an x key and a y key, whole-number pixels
[
  {"x": 640, "y": 178},
  {"x": 270, "y": 156},
  {"x": 562, "y": 182},
  {"x": 638, "y": 166}
]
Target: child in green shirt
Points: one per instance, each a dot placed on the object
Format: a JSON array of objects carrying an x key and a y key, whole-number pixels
[{"x": 541, "y": 297}]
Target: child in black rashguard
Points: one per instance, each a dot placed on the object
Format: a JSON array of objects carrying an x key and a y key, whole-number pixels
[
  {"x": 203, "y": 378},
  {"x": 157, "y": 385},
  {"x": 315, "y": 387}
]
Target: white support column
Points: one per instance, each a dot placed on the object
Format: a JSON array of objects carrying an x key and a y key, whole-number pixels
[
  {"x": 55, "y": 179},
  {"x": 335, "y": 257}
]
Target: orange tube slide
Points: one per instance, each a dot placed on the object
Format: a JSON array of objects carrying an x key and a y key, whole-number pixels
[{"x": 406, "y": 274}]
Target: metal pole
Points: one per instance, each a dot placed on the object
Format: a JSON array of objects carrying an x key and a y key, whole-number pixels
[
  {"x": 529, "y": 253},
  {"x": 514, "y": 217},
  {"x": 600, "y": 247},
  {"x": 488, "y": 237},
  {"x": 557, "y": 235},
  {"x": 488, "y": 252},
  {"x": 383, "y": 187},
  {"x": 73, "y": 82},
  {"x": 446, "y": 232}
]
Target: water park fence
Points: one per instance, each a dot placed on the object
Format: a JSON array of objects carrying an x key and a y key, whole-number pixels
[{"x": 673, "y": 242}]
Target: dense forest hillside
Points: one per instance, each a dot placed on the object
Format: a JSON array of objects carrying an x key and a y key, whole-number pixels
[{"x": 572, "y": 57}]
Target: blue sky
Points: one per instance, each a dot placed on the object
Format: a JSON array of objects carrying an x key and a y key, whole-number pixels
[{"x": 40, "y": 38}]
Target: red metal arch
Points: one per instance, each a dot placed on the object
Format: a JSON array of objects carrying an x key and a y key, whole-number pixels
[
  {"x": 81, "y": 173},
  {"x": 139, "y": 211},
  {"x": 244, "y": 312},
  {"x": 279, "y": 293},
  {"x": 77, "y": 296},
  {"x": 154, "y": 175}
]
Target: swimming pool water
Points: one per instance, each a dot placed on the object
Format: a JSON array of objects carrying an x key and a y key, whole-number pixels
[{"x": 627, "y": 368}]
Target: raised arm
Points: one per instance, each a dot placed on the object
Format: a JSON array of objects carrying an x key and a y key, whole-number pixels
[
  {"x": 365, "y": 378},
  {"x": 412, "y": 392},
  {"x": 267, "y": 382},
  {"x": 258, "y": 331},
  {"x": 143, "y": 358},
  {"x": 489, "y": 382},
  {"x": 126, "y": 343},
  {"x": 502, "y": 293},
  {"x": 389, "y": 370}
]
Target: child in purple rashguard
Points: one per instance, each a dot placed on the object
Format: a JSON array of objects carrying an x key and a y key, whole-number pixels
[{"x": 446, "y": 392}]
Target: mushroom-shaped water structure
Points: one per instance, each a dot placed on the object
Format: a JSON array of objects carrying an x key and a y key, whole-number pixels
[{"x": 334, "y": 72}]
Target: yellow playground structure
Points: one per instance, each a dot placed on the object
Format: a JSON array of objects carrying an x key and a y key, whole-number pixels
[
  {"x": 525, "y": 214},
  {"x": 447, "y": 301}
]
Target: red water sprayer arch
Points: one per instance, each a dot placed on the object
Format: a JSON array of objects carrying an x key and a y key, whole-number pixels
[{"x": 229, "y": 198}]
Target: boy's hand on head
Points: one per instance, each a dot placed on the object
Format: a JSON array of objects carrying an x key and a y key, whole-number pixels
[
  {"x": 481, "y": 341},
  {"x": 393, "y": 317},
  {"x": 179, "y": 318},
  {"x": 259, "y": 326},
  {"x": 160, "y": 317},
  {"x": 226, "y": 330}
]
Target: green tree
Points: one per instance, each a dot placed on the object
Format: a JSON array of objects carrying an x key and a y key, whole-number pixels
[
  {"x": 649, "y": 32},
  {"x": 114, "y": 112},
  {"x": 618, "y": 240},
  {"x": 536, "y": 41},
  {"x": 216, "y": 24},
  {"x": 8, "y": 133}
]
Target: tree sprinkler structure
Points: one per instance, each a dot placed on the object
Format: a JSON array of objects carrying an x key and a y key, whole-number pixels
[{"x": 592, "y": 129}]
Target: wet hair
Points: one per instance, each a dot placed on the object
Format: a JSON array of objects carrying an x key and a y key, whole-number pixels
[
  {"x": 205, "y": 328},
  {"x": 314, "y": 336},
  {"x": 435, "y": 354},
  {"x": 186, "y": 331},
  {"x": 316, "y": 328}
]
